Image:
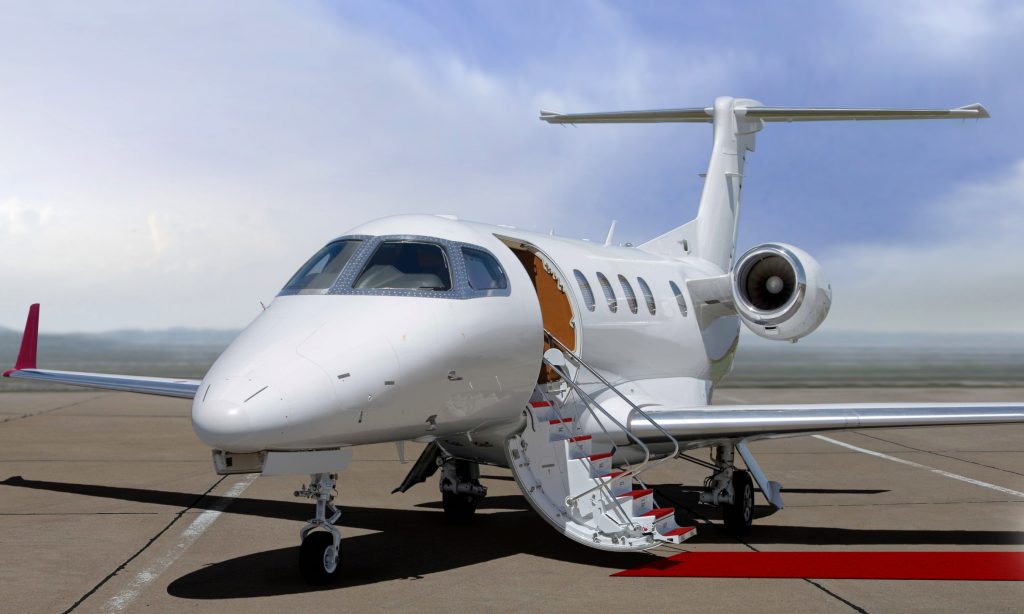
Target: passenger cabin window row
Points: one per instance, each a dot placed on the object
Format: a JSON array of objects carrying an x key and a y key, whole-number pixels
[
  {"x": 627, "y": 289},
  {"x": 401, "y": 266}
]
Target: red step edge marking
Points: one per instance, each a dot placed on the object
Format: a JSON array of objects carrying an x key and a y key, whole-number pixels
[
  {"x": 679, "y": 531},
  {"x": 597, "y": 457},
  {"x": 613, "y": 474},
  {"x": 540, "y": 404},
  {"x": 659, "y": 512},
  {"x": 636, "y": 494},
  {"x": 556, "y": 421},
  {"x": 580, "y": 438},
  {"x": 29, "y": 342}
]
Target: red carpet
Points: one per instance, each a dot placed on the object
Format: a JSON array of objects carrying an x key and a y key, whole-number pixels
[{"x": 837, "y": 565}]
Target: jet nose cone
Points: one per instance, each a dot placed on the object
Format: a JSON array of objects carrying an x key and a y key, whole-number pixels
[{"x": 220, "y": 423}]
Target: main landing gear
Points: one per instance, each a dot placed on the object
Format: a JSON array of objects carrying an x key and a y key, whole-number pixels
[
  {"x": 732, "y": 490},
  {"x": 460, "y": 489},
  {"x": 320, "y": 553}
]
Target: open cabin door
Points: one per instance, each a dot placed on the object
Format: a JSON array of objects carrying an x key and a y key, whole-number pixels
[{"x": 556, "y": 306}]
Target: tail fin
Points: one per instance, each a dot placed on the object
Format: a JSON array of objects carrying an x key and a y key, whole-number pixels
[{"x": 712, "y": 234}]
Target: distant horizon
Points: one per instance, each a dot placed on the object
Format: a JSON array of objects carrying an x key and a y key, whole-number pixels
[{"x": 815, "y": 338}]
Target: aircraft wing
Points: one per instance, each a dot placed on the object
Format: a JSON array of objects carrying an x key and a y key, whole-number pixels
[
  {"x": 695, "y": 427},
  {"x": 25, "y": 368}
]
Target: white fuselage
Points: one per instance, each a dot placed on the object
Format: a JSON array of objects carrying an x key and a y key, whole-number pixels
[{"x": 317, "y": 371}]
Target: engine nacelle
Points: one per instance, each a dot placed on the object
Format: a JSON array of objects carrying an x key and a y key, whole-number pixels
[{"x": 780, "y": 292}]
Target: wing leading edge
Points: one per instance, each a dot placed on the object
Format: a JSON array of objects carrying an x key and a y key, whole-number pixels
[
  {"x": 25, "y": 368},
  {"x": 694, "y": 427}
]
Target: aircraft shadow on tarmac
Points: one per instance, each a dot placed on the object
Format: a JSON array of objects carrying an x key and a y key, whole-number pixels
[{"x": 409, "y": 544}]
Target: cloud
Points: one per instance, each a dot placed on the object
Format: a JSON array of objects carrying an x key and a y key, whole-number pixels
[
  {"x": 961, "y": 273},
  {"x": 947, "y": 31},
  {"x": 183, "y": 182}
]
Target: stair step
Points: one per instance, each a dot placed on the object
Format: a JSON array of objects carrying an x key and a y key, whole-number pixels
[
  {"x": 683, "y": 532},
  {"x": 659, "y": 512},
  {"x": 557, "y": 421},
  {"x": 540, "y": 404},
  {"x": 596, "y": 457},
  {"x": 580, "y": 438},
  {"x": 676, "y": 536},
  {"x": 636, "y": 494}
]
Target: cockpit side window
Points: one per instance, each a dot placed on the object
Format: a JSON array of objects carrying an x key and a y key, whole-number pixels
[
  {"x": 483, "y": 271},
  {"x": 323, "y": 268},
  {"x": 406, "y": 265}
]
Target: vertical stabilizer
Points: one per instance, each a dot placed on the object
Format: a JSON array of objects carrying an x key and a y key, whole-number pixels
[{"x": 712, "y": 235}]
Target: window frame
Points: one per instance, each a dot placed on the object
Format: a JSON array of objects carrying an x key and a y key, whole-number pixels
[
  {"x": 609, "y": 292},
  {"x": 680, "y": 298},
  {"x": 483, "y": 291},
  {"x": 380, "y": 244},
  {"x": 629, "y": 294},
  {"x": 645, "y": 289},
  {"x": 589, "y": 298}
]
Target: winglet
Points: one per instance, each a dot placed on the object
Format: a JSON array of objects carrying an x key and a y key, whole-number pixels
[
  {"x": 29, "y": 342},
  {"x": 978, "y": 107}
]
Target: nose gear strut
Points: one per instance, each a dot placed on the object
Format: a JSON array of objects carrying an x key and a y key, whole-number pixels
[{"x": 320, "y": 553}]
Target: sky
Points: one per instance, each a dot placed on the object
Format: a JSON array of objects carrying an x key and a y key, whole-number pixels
[{"x": 171, "y": 164}]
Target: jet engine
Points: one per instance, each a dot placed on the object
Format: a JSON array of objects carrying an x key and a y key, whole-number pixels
[{"x": 780, "y": 292}]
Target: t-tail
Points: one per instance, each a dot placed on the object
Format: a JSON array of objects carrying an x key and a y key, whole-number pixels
[{"x": 711, "y": 236}]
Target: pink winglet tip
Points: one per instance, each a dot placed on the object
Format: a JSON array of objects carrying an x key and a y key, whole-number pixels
[{"x": 29, "y": 342}]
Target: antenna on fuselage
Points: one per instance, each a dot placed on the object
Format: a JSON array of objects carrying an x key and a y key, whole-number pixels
[{"x": 611, "y": 233}]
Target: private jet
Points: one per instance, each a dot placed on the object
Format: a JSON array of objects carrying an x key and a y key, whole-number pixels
[{"x": 579, "y": 366}]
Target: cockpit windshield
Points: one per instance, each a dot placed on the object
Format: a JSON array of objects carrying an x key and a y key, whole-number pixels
[
  {"x": 320, "y": 272},
  {"x": 406, "y": 265}
]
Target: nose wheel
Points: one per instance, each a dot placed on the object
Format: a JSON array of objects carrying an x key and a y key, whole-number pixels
[
  {"x": 460, "y": 489},
  {"x": 319, "y": 558},
  {"x": 320, "y": 552}
]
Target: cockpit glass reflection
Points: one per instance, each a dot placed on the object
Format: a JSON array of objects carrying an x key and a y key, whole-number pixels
[
  {"x": 320, "y": 272},
  {"x": 406, "y": 265},
  {"x": 483, "y": 270}
]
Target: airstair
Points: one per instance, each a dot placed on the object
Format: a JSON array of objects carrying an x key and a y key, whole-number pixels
[{"x": 568, "y": 475}]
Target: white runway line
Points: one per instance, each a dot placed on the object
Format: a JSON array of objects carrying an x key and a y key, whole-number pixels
[
  {"x": 192, "y": 532},
  {"x": 947, "y": 474}
]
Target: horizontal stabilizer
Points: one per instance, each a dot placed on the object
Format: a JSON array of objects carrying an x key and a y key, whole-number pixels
[{"x": 768, "y": 114}]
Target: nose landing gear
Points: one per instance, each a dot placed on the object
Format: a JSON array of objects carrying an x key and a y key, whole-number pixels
[
  {"x": 460, "y": 489},
  {"x": 320, "y": 553}
]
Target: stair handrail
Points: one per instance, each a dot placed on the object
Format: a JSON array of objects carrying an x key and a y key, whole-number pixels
[
  {"x": 570, "y": 500},
  {"x": 646, "y": 464},
  {"x": 590, "y": 403}
]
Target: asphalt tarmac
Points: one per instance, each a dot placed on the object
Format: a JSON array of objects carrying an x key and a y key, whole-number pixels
[{"x": 108, "y": 502}]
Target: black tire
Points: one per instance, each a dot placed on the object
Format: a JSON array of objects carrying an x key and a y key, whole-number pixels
[
  {"x": 458, "y": 508},
  {"x": 739, "y": 514},
  {"x": 313, "y": 559}
]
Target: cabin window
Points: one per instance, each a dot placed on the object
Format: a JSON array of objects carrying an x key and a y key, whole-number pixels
[
  {"x": 628, "y": 291},
  {"x": 679, "y": 297},
  {"x": 483, "y": 270},
  {"x": 323, "y": 268},
  {"x": 609, "y": 292},
  {"x": 406, "y": 265},
  {"x": 648, "y": 295},
  {"x": 588, "y": 293}
]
